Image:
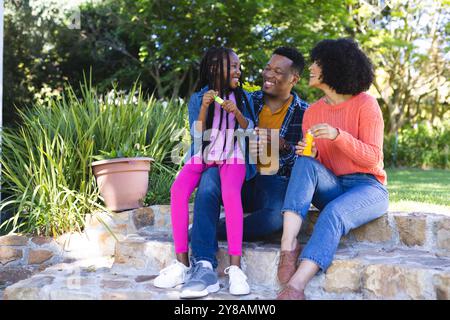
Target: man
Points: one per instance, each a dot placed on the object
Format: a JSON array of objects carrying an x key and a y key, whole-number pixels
[{"x": 277, "y": 107}]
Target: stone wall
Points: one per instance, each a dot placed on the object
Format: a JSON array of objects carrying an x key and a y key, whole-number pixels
[{"x": 16, "y": 250}]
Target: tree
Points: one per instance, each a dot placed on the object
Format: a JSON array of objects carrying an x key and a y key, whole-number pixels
[
  {"x": 163, "y": 40},
  {"x": 407, "y": 43},
  {"x": 32, "y": 61}
]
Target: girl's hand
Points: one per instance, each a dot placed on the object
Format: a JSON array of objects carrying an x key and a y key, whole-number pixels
[
  {"x": 230, "y": 107},
  {"x": 208, "y": 98},
  {"x": 301, "y": 146},
  {"x": 324, "y": 131}
]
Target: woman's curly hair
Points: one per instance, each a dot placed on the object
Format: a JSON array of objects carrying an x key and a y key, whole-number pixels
[{"x": 345, "y": 67}]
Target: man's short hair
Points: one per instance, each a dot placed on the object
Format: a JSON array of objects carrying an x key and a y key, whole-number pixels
[{"x": 298, "y": 62}]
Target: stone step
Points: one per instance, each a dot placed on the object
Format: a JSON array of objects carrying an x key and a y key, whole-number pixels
[
  {"x": 359, "y": 271},
  {"x": 94, "y": 280},
  {"x": 426, "y": 231}
]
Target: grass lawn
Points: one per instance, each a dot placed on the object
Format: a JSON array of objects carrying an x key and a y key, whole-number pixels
[{"x": 419, "y": 190}]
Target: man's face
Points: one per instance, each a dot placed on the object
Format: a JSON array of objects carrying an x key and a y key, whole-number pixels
[{"x": 278, "y": 76}]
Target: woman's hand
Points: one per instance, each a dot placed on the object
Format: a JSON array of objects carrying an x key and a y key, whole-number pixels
[
  {"x": 230, "y": 107},
  {"x": 324, "y": 131},
  {"x": 208, "y": 98},
  {"x": 301, "y": 146}
]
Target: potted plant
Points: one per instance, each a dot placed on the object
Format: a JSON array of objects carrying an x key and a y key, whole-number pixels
[{"x": 122, "y": 176}]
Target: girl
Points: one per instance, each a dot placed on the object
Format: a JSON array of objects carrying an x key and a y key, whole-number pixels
[{"x": 216, "y": 124}]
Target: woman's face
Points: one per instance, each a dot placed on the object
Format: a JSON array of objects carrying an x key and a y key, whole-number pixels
[{"x": 315, "y": 75}]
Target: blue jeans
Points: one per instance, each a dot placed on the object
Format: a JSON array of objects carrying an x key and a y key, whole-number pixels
[
  {"x": 346, "y": 202},
  {"x": 262, "y": 196}
]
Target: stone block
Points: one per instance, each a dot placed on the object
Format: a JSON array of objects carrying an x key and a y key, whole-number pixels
[
  {"x": 395, "y": 282},
  {"x": 442, "y": 286},
  {"x": 259, "y": 263},
  {"x": 10, "y": 254},
  {"x": 28, "y": 289},
  {"x": 42, "y": 240},
  {"x": 122, "y": 217},
  {"x": 13, "y": 240},
  {"x": 39, "y": 256},
  {"x": 261, "y": 266},
  {"x": 11, "y": 275},
  {"x": 143, "y": 217},
  {"x": 164, "y": 209},
  {"x": 443, "y": 234},
  {"x": 411, "y": 229},
  {"x": 377, "y": 230},
  {"x": 343, "y": 276}
]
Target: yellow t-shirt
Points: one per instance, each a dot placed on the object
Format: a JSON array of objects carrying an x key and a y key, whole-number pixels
[{"x": 269, "y": 120}]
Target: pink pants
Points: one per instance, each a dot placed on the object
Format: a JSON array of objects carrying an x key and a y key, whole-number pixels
[{"x": 232, "y": 176}]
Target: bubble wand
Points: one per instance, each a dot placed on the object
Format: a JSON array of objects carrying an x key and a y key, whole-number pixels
[{"x": 219, "y": 100}]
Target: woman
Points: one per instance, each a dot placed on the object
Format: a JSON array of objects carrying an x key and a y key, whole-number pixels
[{"x": 344, "y": 176}]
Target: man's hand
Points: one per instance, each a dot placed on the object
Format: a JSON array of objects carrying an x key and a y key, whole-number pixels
[
  {"x": 324, "y": 131},
  {"x": 259, "y": 145},
  {"x": 266, "y": 139},
  {"x": 253, "y": 145},
  {"x": 284, "y": 146}
]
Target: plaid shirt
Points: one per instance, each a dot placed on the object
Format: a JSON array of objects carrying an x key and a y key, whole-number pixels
[{"x": 291, "y": 129}]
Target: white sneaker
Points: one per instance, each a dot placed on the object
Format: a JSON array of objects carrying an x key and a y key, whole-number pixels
[
  {"x": 238, "y": 281},
  {"x": 171, "y": 276}
]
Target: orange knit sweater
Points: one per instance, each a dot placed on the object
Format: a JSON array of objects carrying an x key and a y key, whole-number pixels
[{"x": 359, "y": 146}]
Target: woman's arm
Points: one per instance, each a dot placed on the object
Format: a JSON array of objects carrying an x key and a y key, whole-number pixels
[{"x": 367, "y": 149}]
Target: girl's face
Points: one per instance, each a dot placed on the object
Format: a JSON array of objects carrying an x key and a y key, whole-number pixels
[
  {"x": 315, "y": 75},
  {"x": 235, "y": 70}
]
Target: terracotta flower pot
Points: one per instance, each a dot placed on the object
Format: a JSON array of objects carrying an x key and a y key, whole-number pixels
[{"x": 123, "y": 182}]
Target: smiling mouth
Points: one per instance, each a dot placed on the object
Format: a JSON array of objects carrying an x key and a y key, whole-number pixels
[{"x": 268, "y": 84}]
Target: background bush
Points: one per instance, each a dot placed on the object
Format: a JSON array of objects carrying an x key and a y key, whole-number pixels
[{"x": 421, "y": 146}]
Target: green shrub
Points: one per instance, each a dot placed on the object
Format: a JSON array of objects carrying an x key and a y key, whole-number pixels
[
  {"x": 159, "y": 186},
  {"x": 46, "y": 161},
  {"x": 421, "y": 146}
]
